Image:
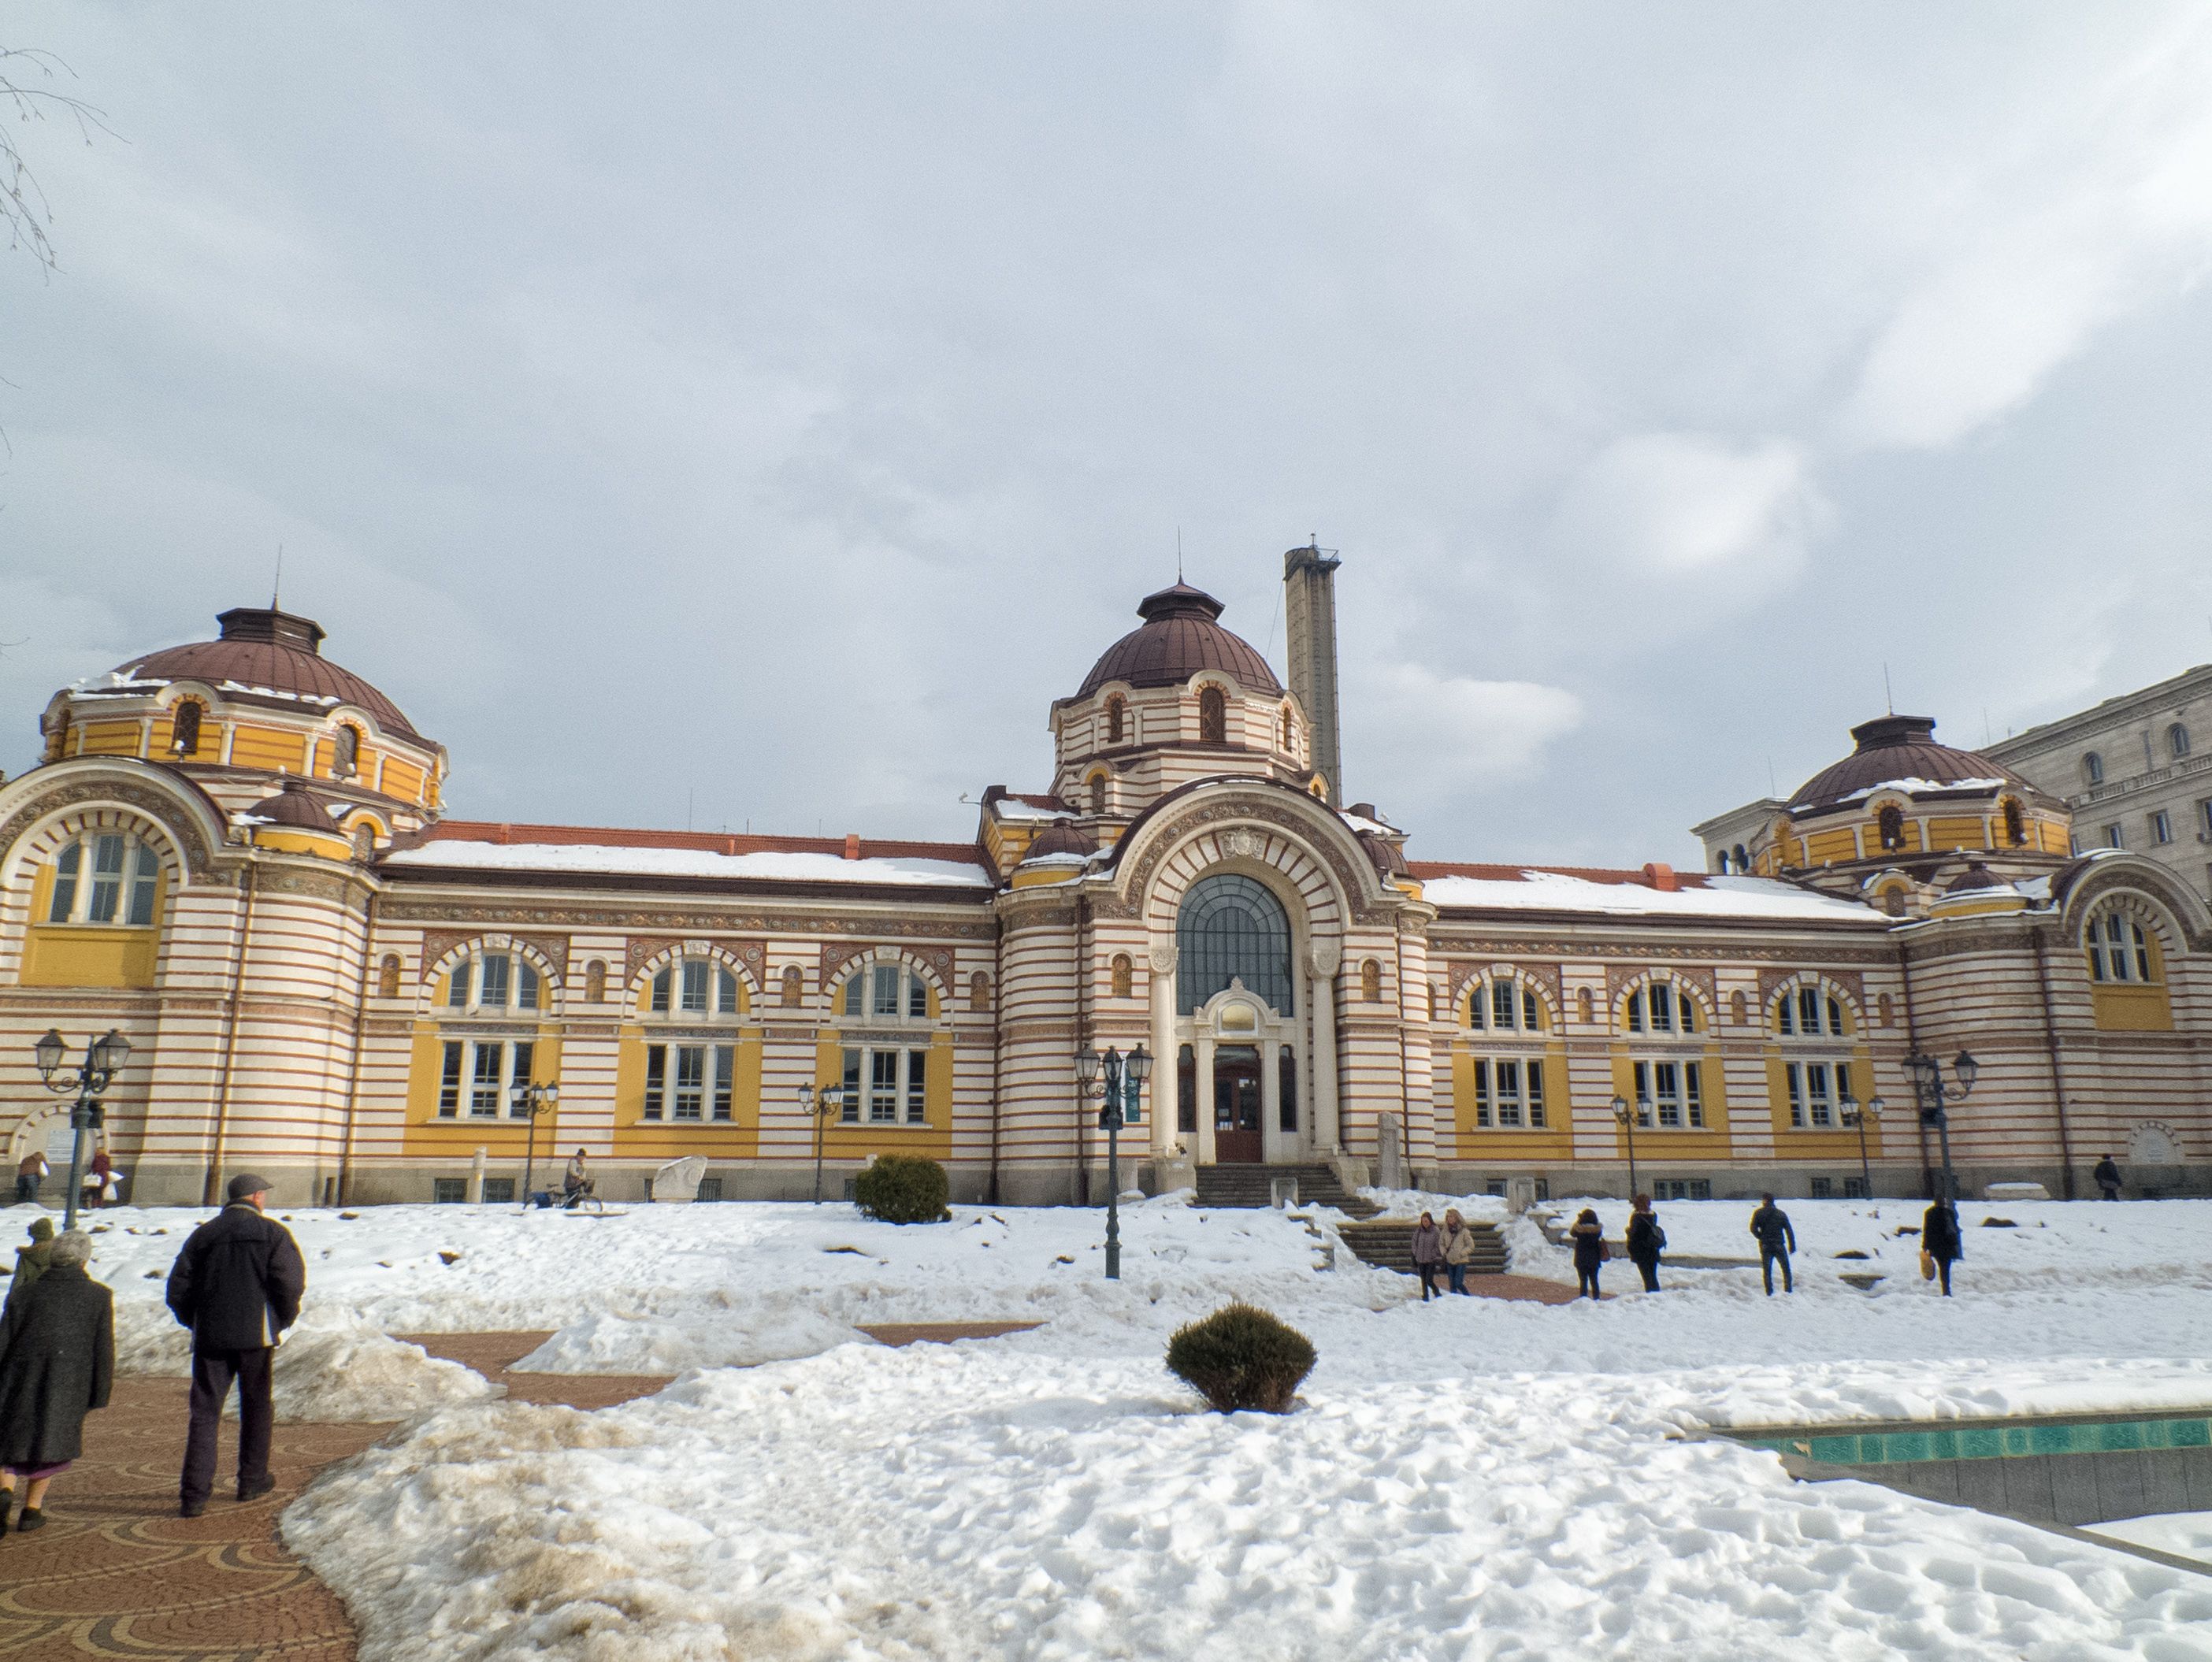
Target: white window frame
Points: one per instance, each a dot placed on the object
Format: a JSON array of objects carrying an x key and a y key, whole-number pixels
[
  {"x": 88, "y": 889},
  {"x": 1509, "y": 1092},
  {"x": 1492, "y": 1007},
  {"x": 696, "y": 987},
  {"x": 1674, "y": 1087},
  {"x": 886, "y": 1087},
  {"x": 694, "y": 1086},
  {"x": 1817, "y": 1087},
  {"x": 1660, "y": 1006},
  {"x": 1798, "y": 1013},
  {"x": 2119, "y": 950},
  {"x": 2161, "y": 826},
  {"x": 472, "y": 978},
  {"x": 469, "y": 1089},
  {"x": 883, "y": 993}
]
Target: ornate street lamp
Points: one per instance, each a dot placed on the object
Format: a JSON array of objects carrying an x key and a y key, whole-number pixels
[
  {"x": 1630, "y": 1118},
  {"x": 1934, "y": 1097},
  {"x": 1120, "y": 1094},
  {"x": 103, "y": 1059},
  {"x": 1853, "y": 1115},
  {"x": 823, "y": 1102},
  {"x": 530, "y": 1101}
]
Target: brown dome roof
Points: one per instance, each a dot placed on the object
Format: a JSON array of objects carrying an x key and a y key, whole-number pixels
[
  {"x": 292, "y": 806},
  {"x": 1901, "y": 749},
  {"x": 1179, "y": 639},
  {"x": 1062, "y": 836},
  {"x": 271, "y": 658}
]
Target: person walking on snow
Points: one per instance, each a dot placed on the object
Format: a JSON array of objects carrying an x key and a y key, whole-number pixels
[
  {"x": 99, "y": 1180},
  {"x": 28, "y": 1175},
  {"x": 1939, "y": 1239},
  {"x": 1777, "y": 1241},
  {"x": 1646, "y": 1240},
  {"x": 1427, "y": 1250},
  {"x": 57, "y": 1365},
  {"x": 31, "y": 1261},
  {"x": 1458, "y": 1251},
  {"x": 237, "y": 1285},
  {"x": 2107, "y": 1175},
  {"x": 1588, "y": 1236}
]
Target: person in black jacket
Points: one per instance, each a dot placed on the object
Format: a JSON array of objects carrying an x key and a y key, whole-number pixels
[
  {"x": 1777, "y": 1241},
  {"x": 1588, "y": 1237},
  {"x": 57, "y": 1365},
  {"x": 1939, "y": 1239},
  {"x": 1646, "y": 1240},
  {"x": 2107, "y": 1176},
  {"x": 237, "y": 1285}
]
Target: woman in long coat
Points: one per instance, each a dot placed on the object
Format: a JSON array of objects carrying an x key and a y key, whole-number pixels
[
  {"x": 56, "y": 1364},
  {"x": 1588, "y": 1236}
]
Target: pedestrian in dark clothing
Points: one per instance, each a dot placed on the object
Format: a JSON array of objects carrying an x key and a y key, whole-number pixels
[
  {"x": 31, "y": 1261},
  {"x": 31, "y": 1173},
  {"x": 1939, "y": 1239},
  {"x": 1777, "y": 1241},
  {"x": 1428, "y": 1252},
  {"x": 1588, "y": 1236},
  {"x": 2108, "y": 1178},
  {"x": 237, "y": 1285},
  {"x": 1646, "y": 1240},
  {"x": 56, "y": 1364}
]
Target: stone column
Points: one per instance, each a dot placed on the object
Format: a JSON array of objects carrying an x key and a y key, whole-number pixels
[
  {"x": 1324, "y": 961},
  {"x": 1166, "y": 1066},
  {"x": 1203, "y": 1150},
  {"x": 1271, "y": 1095}
]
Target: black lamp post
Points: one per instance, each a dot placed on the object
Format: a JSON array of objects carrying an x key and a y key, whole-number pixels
[
  {"x": 103, "y": 1058},
  {"x": 530, "y": 1101},
  {"x": 823, "y": 1102},
  {"x": 1934, "y": 1094},
  {"x": 1856, "y": 1117},
  {"x": 1630, "y": 1118},
  {"x": 1120, "y": 1095}
]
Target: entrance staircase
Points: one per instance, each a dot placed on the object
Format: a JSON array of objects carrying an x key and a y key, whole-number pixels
[
  {"x": 1389, "y": 1244},
  {"x": 1253, "y": 1185}
]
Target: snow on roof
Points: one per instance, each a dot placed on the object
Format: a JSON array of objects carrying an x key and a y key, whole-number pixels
[
  {"x": 1921, "y": 787},
  {"x": 1031, "y": 808},
  {"x": 1626, "y": 894},
  {"x": 774, "y": 865}
]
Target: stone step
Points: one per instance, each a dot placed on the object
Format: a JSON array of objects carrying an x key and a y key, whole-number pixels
[
  {"x": 1390, "y": 1245},
  {"x": 1243, "y": 1186}
]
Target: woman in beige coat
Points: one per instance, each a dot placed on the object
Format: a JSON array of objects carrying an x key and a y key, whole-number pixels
[{"x": 1458, "y": 1250}]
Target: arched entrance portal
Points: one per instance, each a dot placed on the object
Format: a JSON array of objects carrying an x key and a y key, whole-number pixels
[{"x": 1238, "y": 1053}]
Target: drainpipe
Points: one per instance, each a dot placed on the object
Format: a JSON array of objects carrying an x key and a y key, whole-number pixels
[
  {"x": 360, "y": 1030},
  {"x": 246, "y": 882},
  {"x": 2057, "y": 1079}
]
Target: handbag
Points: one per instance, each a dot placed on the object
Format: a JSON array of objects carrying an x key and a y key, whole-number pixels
[{"x": 1927, "y": 1264}]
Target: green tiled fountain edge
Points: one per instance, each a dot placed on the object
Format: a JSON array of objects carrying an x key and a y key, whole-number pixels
[{"x": 1987, "y": 1440}]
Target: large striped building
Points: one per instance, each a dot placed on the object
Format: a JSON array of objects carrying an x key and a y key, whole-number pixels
[{"x": 236, "y": 853}]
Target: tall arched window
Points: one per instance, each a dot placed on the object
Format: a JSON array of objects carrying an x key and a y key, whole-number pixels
[
  {"x": 187, "y": 740},
  {"x": 364, "y": 840},
  {"x": 1212, "y": 716},
  {"x": 1098, "y": 793},
  {"x": 692, "y": 986},
  {"x": 2015, "y": 822},
  {"x": 1504, "y": 1005},
  {"x": 1122, "y": 976},
  {"x": 2093, "y": 768},
  {"x": 1806, "y": 1012},
  {"x": 493, "y": 980},
  {"x": 1117, "y": 714},
  {"x": 2177, "y": 740},
  {"x": 1289, "y": 729},
  {"x": 345, "y": 753},
  {"x": 2119, "y": 949},
  {"x": 1231, "y": 927},
  {"x": 106, "y": 877},
  {"x": 1659, "y": 1007},
  {"x": 1891, "y": 822}
]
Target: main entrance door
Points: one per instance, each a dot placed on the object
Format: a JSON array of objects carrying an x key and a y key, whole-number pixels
[{"x": 1236, "y": 1105}]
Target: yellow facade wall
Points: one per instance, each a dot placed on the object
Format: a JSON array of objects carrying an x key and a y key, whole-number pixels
[
  {"x": 107, "y": 738},
  {"x": 429, "y": 1136},
  {"x": 1652, "y": 1144},
  {"x": 932, "y": 1141},
  {"x": 1554, "y": 1142},
  {"x": 89, "y": 955},
  {"x": 269, "y": 748},
  {"x": 2131, "y": 1007},
  {"x": 1809, "y": 1142}
]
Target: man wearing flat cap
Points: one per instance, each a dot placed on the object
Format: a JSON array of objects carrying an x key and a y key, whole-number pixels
[{"x": 237, "y": 1285}]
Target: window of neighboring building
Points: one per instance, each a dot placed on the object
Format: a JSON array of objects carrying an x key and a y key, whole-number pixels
[
  {"x": 1823, "y": 1188},
  {"x": 2113, "y": 839},
  {"x": 493, "y": 980},
  {"x": 688, "y": 1082},
  {"x": 2119, "y": 949},
  {"x": 106, "y": 877},
  {"x": 2177, "y": 740},
  {"x": 185, "y": 740},
  {"x": 499, "y": 1191},
  {"x": 1890, "y": 822},
  {"x": 884, "y": 993},
  {"x": 1504, "y": 1005},
  {"x": 1508, "y": 1092},
  {"x": 1742, "y": 858},
  {"x": 2093, "y": 768},
  {"x": 1675, "y": 1093},
  {"x": 877, "y": 1082},
  {"x": 476, "y": 1076},
  {"x": 1815, "y": 1088},
  {"x": 2204, "y": 813},
  {"x": 2161, "y": 826},
  {"x": 693, "y": 987},
  {"x": 1212, "y": 716},
  {"x": 1117, "y": 714},
  {"x": 1799, "y": 1013},
  {"x": 1659, "y": 1007}
]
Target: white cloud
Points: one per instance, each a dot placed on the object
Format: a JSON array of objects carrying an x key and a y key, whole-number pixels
[
  {"x": 1446, "y": 730},
  {"x": 1671, "y": 506}
]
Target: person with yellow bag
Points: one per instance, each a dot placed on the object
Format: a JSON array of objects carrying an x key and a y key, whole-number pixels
[{"x": 1939, "y": 1243}]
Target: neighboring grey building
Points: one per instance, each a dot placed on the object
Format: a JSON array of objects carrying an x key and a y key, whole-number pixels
[{"x": 2136, "y": 770}]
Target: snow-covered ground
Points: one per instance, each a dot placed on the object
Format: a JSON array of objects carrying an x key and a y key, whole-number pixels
[{"x": 1469, "y": 1478}]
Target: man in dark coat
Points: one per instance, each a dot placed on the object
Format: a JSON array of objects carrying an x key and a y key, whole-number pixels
[
  {"x": 56, "y": 1364},
  {"x": 237, "y": 1285},
  {"x": 1939, "y": 1239},
  {"x": 2107, "y": 1175},
  {"x": 1646, "y": 1240},
  {"x": 1777, "y": 1241}
]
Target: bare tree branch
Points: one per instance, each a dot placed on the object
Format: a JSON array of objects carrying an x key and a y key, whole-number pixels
[{"x": 23, "y": 207}]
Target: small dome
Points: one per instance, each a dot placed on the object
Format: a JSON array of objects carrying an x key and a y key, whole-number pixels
[
  {"x": 1179, "y": 639},
  {"x": 1976, "y": 876},
  {"x": 295, "y": 807},
  {"x": 1062, "y": 836},
  {"x": 268, "y": 657},
  {"x": 1902, "y": 750}
]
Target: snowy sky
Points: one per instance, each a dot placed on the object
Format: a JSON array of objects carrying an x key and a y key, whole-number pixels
[{"x": 763, "y": 412}]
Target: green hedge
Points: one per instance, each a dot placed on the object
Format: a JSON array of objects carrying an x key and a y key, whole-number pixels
[
  {"x": 897, "y": 1188},
  {"x": 1241, "y": 1357}
]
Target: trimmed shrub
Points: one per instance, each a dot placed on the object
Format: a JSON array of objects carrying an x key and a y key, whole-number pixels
[
  {"x": 900, "y": 1188},
  {"x": 1241, "y": 1357}
]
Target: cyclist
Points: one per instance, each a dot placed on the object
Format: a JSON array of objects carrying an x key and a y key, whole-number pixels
[{"x": 575, "y": 1182}]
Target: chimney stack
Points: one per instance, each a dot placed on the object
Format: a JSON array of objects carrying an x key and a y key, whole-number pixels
[{"x": 1309, "y": 608}]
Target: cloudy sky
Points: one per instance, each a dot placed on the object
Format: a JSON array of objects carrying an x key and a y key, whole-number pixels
[{"x": 761, "y": 413}]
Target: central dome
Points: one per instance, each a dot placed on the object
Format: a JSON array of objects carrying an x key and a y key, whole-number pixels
[
  {"x": 266, "y": 656},
  {"x": 1902, "y": 750},
  {"x": 1180, "y": 637}
]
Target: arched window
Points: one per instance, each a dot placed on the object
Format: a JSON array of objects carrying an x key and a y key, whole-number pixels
[
  {"x": 692, "y": 986},
  {"x": 595, "y": 981},
  {"x": 1098, "y": 793},
  {"x": 1659, "y": 1007},
  {"x": 2093, "y": 768},
  {"x": 186, "y": 741},
  {"x": 1504, "y": 1005},
  {"x": 978, "y": 992},
  {"x": 1808, "y": 1011},
  {"x": 1891, "y": 822},
  {"x": 1123, "y": 976},
  {"x": 1742, "y": 858},
  {"x": 2015, "y": 822},
  {"x": 883, "y": 992},
  {"x": 1231, "y": 927},
  {"x": 387, "y": 976},
  {"x": 794, "y": 987},
  {"x": 106, "y": 877},
  {"x": 1370, "y": 982},
  {"x": 1212, "y": 716},
  {"x": 345, "y": 753},
  {"x": 1289, "y": 729},
  {"x": 2177, "y": 740},
  {"x": 886, "y": 1077},
  {"x": 1117, "y": 716},
  {"x": 495, "y": 979},
  {"x": 2119, "y": 949}
]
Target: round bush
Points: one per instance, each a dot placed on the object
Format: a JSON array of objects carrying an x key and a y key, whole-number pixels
[
  {"x": 898, "y": 1188},
  {"x": 1241, "y": 1357}
]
